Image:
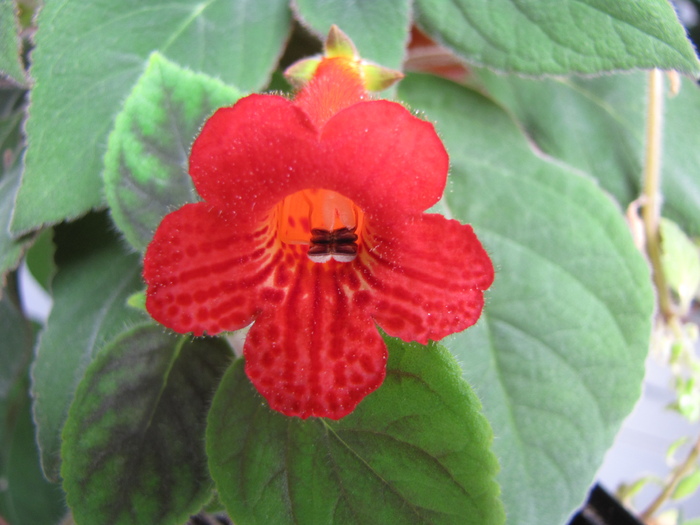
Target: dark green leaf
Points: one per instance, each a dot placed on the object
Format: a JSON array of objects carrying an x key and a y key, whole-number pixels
[
  {"x": 40, "y": 259},
  {"x": 11, "y": 249},
  {"x": 415, "y": 451},
  {"x": 558, "y": 356},
  {"x": 597, "y": 125},
  {"x": 10, "y": 43},
  {"x": 87, "y": 59},
  {"x": 378, "y": 29},
  {"x": 15, "y": 350},
  {"x": 133, "y": 449},
  {"x": 146, "y": 162},
  {"x": 561, "y": 36},
  {"x": 94, "y": 280},
  {"x": 26, "y": 498},
  {"x": 11, "y": 113}
]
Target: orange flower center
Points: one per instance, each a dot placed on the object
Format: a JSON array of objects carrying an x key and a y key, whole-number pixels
[{"x": 328, "y": 222}]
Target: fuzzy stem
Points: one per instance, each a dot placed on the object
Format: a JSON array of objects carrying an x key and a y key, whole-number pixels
[
  {"x": 651, "y": 211},
  {"x": 678, "y": 474}
]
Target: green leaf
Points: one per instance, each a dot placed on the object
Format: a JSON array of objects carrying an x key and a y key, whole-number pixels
[
  {"x": 11, "y": 249},
  {"x": 597, "y": 125},
  {"x": 94, "y": 280},
  {"x": 681, "y": 262},
  {"x": 415, "y": 451},
  {"x": 687, "y": 486},
  {"x": 11, "y": 113},
  {"x": 380, "y": 30},
  {"x": 673, "y": 448},
  {"x": 26, "y": 498},
  {"x": 10, "y": 44},
  {"x": 39, "y": 259},
  {"x": 558, "y": 356},
  {"x": 86, "y": 61},
  {"x": 16, "y": 337},
  {"x": 146, "y": 161},
  {"x": 133, "y": 450},
  {"x": 561, "y": 36}
]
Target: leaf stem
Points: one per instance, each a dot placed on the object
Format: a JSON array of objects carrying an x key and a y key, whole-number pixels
[
  {"x": 678, "y": 474},
  {"x": 651, "y": 211}
]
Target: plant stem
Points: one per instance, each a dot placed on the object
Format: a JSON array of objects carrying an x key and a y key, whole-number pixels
[
  {"x": 678, "y": 474},
  {"x": 651, "y": 211}
]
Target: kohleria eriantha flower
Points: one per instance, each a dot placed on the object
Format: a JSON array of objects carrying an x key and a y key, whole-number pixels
[{"x": 312, "y": 227}]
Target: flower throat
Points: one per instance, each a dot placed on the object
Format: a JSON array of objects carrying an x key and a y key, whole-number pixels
[{"x": 328, "y": 222}]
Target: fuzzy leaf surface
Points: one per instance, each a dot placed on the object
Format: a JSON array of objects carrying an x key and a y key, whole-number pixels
[
  {"x": 10, "y": 44},
  {"x": 558, "y": 355},
  {"x": 86, "y": 61},
  {"x": 95, "y": 278},
  {"x": 418, "y": 450},
  {"x": 378, "y": 29},
  {"x": 554, "y": 37},
  {"x": 147, "y": 155},
  {"x": 133, "y": 450},
  {"x": 597, "y": 125}
]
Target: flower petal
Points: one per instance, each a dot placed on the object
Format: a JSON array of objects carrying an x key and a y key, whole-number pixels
[
  {"x": 204, "y": 275},
  {"x": 315, "y": 353},
  {"x": 429, "y": 283},
  {"x": 384, "y": 158},
  {"x": 251, "y": 155}
]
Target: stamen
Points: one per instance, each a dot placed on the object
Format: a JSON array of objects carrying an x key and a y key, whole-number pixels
[{"x": 341, "y": 244}]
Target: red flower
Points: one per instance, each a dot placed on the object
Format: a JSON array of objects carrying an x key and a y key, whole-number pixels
[{"x": 312, "y": 226}]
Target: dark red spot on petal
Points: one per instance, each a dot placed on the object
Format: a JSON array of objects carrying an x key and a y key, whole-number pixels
[
  {"x": 184, "y": 299},
  {"x": 272, "y": 295},
  {"x": 367, "y": 363}
]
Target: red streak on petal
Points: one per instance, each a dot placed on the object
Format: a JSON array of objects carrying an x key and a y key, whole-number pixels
[
  {"x": 202, "y": 275},
  {"x": 326, "y": 355},
  {"x": 422, "y": 291}
]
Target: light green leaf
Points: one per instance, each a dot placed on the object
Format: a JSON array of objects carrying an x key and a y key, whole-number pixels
[
  {"x": 681, "y": 262},
  {"x": 10, "y": 44},
  {"x": 415, "y": 451},
  {"x": 133, "y": 450},
  {"x": 146, "y": 161},
  {"x": 87, "y": 59},
  {"x": 561, "y": 36},
  {"x": 94, "y": 280},
  {"x": 597, "y": 125},
  {"x": 380, "y": 30},
  {"x": 558, "y": 356},
  {"x": 673, "y": 448},
  {"x": 687, "y": 486}
]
